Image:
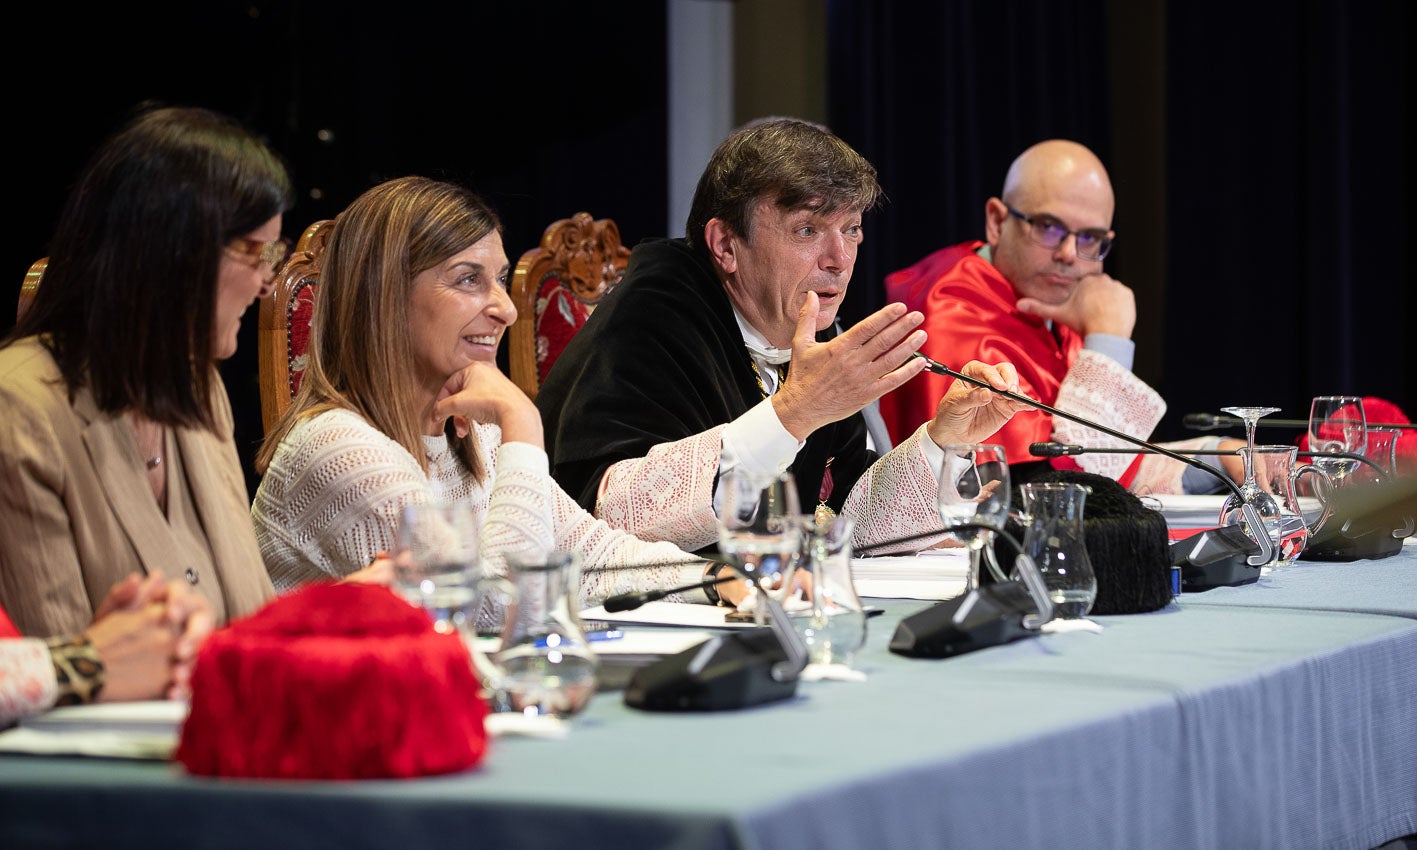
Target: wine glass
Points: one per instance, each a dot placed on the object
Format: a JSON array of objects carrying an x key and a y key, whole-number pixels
[
  {"x": 758, "y": 530},
  {"x": 1250, "y": 416},
  {"x": 1232, "y": 510},
  {"x": 974, "y": 487},
  {"x": 1337, "y": 424}
]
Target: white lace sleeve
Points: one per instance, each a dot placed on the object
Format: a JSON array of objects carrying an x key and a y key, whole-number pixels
[
  {"x": 895, "y": 498},
  {"x": 667, "y": 494},
  {"x": 1099, "y": 388},
  {"x": 613, "y": 561}
]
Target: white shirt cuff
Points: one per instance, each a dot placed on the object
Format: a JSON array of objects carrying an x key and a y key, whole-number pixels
[
  {"x": 930, "y": 450},
  {"x": 758, "y": 442}
]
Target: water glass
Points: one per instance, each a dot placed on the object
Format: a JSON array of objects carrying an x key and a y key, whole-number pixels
[{"x": 436, "y": 566}]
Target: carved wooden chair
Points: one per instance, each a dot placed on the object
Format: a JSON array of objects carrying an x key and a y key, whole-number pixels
[
  {"x": 555, "y": 286},
  {"x": 30, "y": 286},
  {"x": 284, "y": 329}
]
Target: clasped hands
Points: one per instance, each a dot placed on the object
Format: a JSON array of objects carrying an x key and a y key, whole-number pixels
[
  {"x": 831, "y": 380},
  {"x": 147, "y": 632}
]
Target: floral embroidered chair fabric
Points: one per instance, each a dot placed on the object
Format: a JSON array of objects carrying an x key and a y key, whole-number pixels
[
  {"x": 285, "y": 323},
  {"x": 555, "y": 286}
]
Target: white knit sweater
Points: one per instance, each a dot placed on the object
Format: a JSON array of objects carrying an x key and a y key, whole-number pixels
[{"x": 333, "y": 494}]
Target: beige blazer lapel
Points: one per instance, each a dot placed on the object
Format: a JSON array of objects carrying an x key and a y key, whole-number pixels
[
  {"x": 219, "y": 494},
  {"x": 114, "y": 454}
]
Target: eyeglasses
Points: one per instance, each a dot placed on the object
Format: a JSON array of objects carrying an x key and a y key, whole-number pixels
[
  {"x": 267, "y": 254},
  {"x": 1092, "y": 244}
]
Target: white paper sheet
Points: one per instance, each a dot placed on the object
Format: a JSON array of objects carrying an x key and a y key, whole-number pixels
[
  {"x": 133, "y": 730},
  {"x": 668, "y": 614},
  {"x": 933, "y": 574}
]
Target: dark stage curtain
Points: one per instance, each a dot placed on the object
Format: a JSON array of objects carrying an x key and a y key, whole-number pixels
[{"x": 1258, "y": 152}]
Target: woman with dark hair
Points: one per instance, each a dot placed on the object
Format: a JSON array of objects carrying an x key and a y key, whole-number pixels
[
  {"x": 116, "y": 447},
  {"x": 402, "y": 403}
]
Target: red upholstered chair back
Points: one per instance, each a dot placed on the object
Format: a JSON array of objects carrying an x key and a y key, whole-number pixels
[
  {"x": 285, "y": 323},
  {"x": 555, "y": 286},
  {"x": 30, "y": 286}
]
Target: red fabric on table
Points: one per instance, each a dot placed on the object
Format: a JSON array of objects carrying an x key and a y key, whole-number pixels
[{"x": 333, "y": 681}]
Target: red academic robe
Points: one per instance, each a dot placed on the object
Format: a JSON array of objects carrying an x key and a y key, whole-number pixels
[{"x": 971, "y": 313}]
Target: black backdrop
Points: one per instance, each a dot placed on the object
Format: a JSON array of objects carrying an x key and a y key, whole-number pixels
[
  {"x": 1266, "y": 211},
  {"x": 544, "y": 108},
  {"x": 1260, "y": 151}
]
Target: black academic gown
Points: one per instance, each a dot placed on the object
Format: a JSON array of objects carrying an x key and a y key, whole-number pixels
[{"x": 661, "y": 359}]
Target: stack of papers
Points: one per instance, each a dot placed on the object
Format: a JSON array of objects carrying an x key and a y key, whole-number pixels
[
  {"x": 933, "y": 574},
  {"x": 134, "y": 730},
  {"x": 668, "y": 614},
  {"x": 1184, "y": 511}
]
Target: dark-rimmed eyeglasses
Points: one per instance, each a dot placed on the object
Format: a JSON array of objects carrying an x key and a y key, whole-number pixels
[
  {"x": 1048, "y": 232},
  {"x": 260, "y": 254}
]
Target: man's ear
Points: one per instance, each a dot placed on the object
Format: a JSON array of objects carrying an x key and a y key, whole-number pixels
[
  {"x": 995, "y": 215},
  {"x": 722, "y": 245}
]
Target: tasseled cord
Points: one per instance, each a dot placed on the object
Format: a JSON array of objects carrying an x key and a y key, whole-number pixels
[{"x": 333, "y": 681}]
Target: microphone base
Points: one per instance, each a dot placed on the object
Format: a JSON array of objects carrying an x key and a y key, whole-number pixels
[
  {"x": 1216, "y": 557},
  {"x": 1374, "y": 545},
  {"x": 1232, "y": 571},
  {"x": 726, "y": 672},
  {"x": 993, "y": 616}
]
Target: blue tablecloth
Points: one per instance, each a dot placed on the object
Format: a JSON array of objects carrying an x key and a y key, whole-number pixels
[
  {"x": 1194, "y": 726},
  {"x": 1384, "y": 586}
]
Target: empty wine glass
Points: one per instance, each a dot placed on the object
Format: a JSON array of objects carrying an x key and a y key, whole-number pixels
[
  {"x": 758, "y": 530},
  {"x": 1232, "y": 510},
  {"x": 974, "y": 488},
  {"x": 1250, "y": 416},
  {"x": 1337, "y": 424}
]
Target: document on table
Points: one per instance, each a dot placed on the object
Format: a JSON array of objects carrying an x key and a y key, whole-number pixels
[
  {"x": 932, "y": 574},
  {"x": 1183, "y": 510},
  {"x": 131, "y": 730},
  {"x": 668, "y": 614}
]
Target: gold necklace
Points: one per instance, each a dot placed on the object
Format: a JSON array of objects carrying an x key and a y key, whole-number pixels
[{"x": 758, "y": 376}]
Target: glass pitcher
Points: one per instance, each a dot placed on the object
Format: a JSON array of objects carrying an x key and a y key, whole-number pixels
[
  {"x": 545, "y": 664},
  {"x": 1054, "y": 538},
  {"x": 1270, "y": 486},
  {"x": 820, "y": 598}
]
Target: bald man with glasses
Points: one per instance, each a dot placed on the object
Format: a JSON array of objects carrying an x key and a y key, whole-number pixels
[{"x": 1033, "y": 293}]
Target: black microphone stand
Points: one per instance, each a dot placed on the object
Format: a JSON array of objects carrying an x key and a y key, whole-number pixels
[{"x": 1252, "y": 516}]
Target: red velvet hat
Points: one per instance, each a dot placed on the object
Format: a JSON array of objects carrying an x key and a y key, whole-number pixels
[{"x": 333, "y": 681}]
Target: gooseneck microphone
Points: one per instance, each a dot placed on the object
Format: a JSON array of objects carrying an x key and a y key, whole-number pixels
[
  {"x": 1051, "y": 449},
  {"x": 1252, "y": 516},
  {"x": 631, "y": 601},
  {"x": 1212, "y": 422}
]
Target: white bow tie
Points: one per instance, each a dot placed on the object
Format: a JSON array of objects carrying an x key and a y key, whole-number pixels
[{"x": 773, "y": 356}]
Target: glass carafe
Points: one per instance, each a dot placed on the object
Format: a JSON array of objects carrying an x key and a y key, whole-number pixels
[
  {"x": 1270, "y": 478},
  {"x": 821, "y": 599},
  {"x": 1055, "y": 539},
  {"x": 545, "y": 664}
]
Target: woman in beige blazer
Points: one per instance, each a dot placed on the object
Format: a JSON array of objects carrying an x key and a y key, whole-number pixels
[{"x": 116, "y": 451}]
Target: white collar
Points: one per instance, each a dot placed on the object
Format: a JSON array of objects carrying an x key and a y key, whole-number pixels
[{"x": 757, "y": 344}]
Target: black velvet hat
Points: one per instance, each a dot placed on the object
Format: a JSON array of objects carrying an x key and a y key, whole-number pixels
[{"x": 1127, "y": 544}]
